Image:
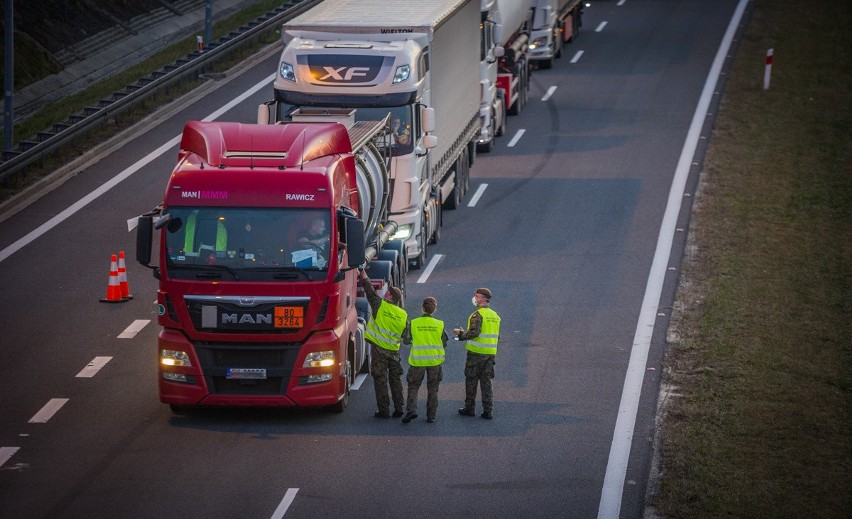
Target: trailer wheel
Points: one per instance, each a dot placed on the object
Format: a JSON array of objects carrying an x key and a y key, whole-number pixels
[{"x": 453, "y": 201}]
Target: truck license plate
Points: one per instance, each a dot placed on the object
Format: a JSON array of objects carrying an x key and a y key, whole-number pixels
[{"x": 246, "y": 373}]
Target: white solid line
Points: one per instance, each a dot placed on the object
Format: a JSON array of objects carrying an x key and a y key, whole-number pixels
[
  {"x": 516, "y": 138},
  {"x": 135, "y": 327},
  {"x": 114, "y": 181},
  {"x": 429, "y": 268},
  {"x": 359, "y": 379},
  {"x": 49, "y": 409},
  {"x": 549, "y": 93},
  {"x": 93, "y": 367},
  {"x": 132, "y": 223},
  {"x": 622, "y": 437},
  {"x": 577, "y": 56},
  {"x": 289, "y": 496},
  {"x": 476, "y": 196},
  {"x": 600, "y": 27},
  {"x": 6, "y": 453}
]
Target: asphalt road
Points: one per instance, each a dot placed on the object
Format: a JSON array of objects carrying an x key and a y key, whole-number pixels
[{"x": 564, "y": 231}]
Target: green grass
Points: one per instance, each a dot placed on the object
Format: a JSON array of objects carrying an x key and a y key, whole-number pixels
[{"x": 762, "y": 428}]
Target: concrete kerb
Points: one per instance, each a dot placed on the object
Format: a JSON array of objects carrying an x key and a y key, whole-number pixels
[{"x": 31, "y": 194}]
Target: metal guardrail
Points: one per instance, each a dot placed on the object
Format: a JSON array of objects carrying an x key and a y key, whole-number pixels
[{"x": 43, "y": 143}]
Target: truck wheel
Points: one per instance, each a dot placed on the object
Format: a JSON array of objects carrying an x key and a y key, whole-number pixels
[{"x": 452, "y": 201}]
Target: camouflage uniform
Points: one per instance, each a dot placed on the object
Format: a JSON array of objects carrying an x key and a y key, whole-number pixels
[
  {"x": 385, "y": 366},
  {"x": 434, "y": 375},
  {"x": 478, "y": 370}
]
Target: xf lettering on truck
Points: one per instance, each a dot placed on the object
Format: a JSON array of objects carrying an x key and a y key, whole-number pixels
[
  {"x": 338, "y": 73},
  {"x": 205, "y": 195},
  {"x": 304, "y": 198}
]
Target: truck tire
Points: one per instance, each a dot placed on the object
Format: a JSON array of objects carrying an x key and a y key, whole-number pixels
[
  {"x": 453, "y": 201},
  {"x": 391, "y": 256},
  {"x": 402, "y": 251}
]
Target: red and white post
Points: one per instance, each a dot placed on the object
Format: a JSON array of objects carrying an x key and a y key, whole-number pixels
[{"x": 767, "y": 72}]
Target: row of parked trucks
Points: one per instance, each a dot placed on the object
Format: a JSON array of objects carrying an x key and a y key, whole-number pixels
[{"x": 375, "y": 123}]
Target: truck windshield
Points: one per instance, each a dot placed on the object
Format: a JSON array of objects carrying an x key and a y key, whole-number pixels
[{"x": 246, "y": 244}]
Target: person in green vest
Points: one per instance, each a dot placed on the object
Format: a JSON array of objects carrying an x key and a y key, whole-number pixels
[
  {"x": 428, "y": 340},
  {"x": 482, "y": 335},
  {"x": 384, "y": 333}
]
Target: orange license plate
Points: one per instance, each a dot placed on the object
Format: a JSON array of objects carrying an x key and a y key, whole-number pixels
[{"x": 289, "y": 316}]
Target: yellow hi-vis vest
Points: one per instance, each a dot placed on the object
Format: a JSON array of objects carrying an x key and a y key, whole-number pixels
[
  {"x": 427, "y": 348},
  {"x": 486, "y": 343},
  {"x": 385, "y": 331},
  {"x": 189, "y": 235}
]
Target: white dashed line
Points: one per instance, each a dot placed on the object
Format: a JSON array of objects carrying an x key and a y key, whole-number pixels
[
  {"x": 93, "y": 367},
  {"x": 576, "y": 57},
  {"x": 49, "y": 409},
  {"x": 6, "y": 453},
  {"x": 549, "y": 93},
  {"x": 476, "y": 196},
  {"x": 131, "y": 331},
  {"x": 289, "y": 496},
  {"x": 516, "y": 138},
  {"x": 429, "y": 268},
  {"x": 600, "y": 27}
]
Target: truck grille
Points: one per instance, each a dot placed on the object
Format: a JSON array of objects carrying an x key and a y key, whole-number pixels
[{"x": 277, "y": 359}]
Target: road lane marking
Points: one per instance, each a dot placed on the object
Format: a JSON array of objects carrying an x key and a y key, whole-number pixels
[
  {"x": 359, "y": 379},
  {"x": 136, "y": 327},
  {"x": 93, "y": 367},
  {"x": 516, "y": 138},
  {"x": 6, "y": 453},
  {"x": 476, "y": 196},
  {"x": 549, "y": 93},
  {"x": 620, "y": 3},
  {"x": 114, "y": 181},
  {"x": 429, "y": 268},
  {"x": 600, "y": 27},
  {"x": 49, "y": 409},
  {"x": 622, "y": 437},
  {"x": 285, "y": 503},
  {"x": 577, "y": 56}
]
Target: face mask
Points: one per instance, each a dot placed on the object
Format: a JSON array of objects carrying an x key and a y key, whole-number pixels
[{"x": 473, "y": 300}]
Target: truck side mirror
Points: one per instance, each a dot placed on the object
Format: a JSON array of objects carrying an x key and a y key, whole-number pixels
[
  {"x": 427, "y": 119},
  {"x": 355, "y": 246},
  {"x": 144, "y": 235}
]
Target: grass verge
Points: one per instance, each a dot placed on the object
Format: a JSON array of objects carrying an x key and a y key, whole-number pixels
[{"x": 759, "y": 353}]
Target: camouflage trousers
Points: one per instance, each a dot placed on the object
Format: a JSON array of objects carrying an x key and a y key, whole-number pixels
[
  {"x": 478, "y": 371},
  {"x": 434, "y": 375},
  {"x": 386, "y": 371}
]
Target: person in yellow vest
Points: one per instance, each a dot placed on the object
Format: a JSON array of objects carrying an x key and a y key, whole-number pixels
[
  {"x": 428, "y": 340},
  {"x": 482, "y": 335},
  {"x": 384, "y": 332}
]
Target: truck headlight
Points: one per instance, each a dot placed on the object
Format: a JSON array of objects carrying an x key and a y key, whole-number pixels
[
  {"x": 403, "y": 232},
  {"x": 402, "y": 73},
  {"x": 319, "y": 359},
  {"x": 174, "y": 358},
  {"x": 286, "y": 72}
]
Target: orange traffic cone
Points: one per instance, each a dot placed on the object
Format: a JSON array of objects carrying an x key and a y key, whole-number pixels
[
  {"x": 122, "y": 277},
  {"x": 113, "y": 294}
]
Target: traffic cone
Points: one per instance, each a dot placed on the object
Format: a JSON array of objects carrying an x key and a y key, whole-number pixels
[
  {"x": 122, "y": 277},
  {"x": 113, "y": 294}
]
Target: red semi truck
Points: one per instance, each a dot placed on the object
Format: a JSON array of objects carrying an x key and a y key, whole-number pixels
[{"x": 257, "y": 306}]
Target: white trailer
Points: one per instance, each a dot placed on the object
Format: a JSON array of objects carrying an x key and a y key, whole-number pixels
[{"x": 417, "y": 62}]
